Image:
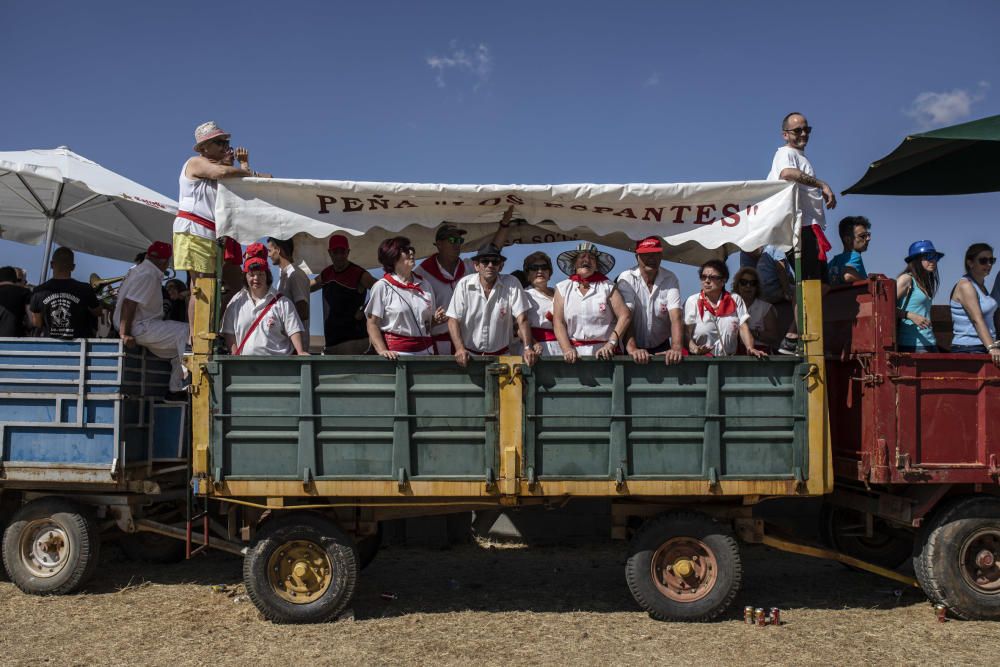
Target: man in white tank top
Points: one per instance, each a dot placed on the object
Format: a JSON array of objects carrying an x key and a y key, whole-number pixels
[{"x": 195, "y": 245}]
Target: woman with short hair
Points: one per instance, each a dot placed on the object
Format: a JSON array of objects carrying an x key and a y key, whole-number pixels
[
  {"x": 972, "y": 308},
  {"x": 401, "y": 308},
  {"x": 717, "y": 320},
  {"x": 260, "y": 321},
  {"x": 537, "y": 270},
  {"x": 915, "y": 290},
  {"x": 589, "y": 315},
  {"x": 763, "y": 321}
]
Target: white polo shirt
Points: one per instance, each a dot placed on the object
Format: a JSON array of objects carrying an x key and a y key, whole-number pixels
[
  {"x": 143, "y": 284},
  {"x": 294, "y": 283},
  {"x": 540, "y": 312},
  {"x": 487, "y": 322},
  {"x": 720, "y": 334},
  {"x": 650, "y": 307},
  {"x": 810, "y": 199},
  {"x": 444, "y": 290},
  {"x": 404, "y": 312},
  {"x": 272, "y": 337},
  {"x": 588, "y": 316}
]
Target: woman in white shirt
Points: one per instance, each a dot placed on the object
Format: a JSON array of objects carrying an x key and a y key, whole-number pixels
[
  {"x": 259, "y": 321},
  {"x": 763, "y": 321},
  {"x": 588, "y": 312},
  {"x": 537, "y": 269},
  {"x": 717, "y": 320},
  {"x": 401, "y": 307}
]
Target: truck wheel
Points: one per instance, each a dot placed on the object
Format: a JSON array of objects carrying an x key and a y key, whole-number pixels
[
  {"x": 367, "y": 548},
  {"x": 684, "y": 566},
  {"x": 958, "y": 562},
  {"x": 302, "y": 569},
  {"x": 51, "y": 547},
  {"x": 844, "y": 531},
  {"x": 152, "y": 548}
]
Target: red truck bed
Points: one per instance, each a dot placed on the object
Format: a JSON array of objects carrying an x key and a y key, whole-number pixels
[{"x": 899, "y": 418}]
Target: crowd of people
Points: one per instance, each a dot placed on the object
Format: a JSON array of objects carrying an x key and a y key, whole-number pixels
[{"x": 447, "y": 305}]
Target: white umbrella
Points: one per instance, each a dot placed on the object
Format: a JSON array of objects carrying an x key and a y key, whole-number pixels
[{"x": 57, "y": 195}]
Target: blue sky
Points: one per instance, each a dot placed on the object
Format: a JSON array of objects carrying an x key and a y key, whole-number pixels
[{"x": 513, "y": 92}]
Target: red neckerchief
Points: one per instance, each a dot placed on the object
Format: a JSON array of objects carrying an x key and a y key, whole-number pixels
[
  {"x": 392, "y": 281},
  {"x": 726, "y": 305},
  {"x": 595, "y": 277},
  {"x": 821, "y": 241},
  {"x": 431, "y": 266}
]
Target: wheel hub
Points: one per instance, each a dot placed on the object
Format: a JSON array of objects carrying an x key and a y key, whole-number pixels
[
  {"x": 684, "y": 569},
  {"x": 300, "y": 571},
  {"x": 44, "y": 548},
  {"x": 978, "y": 560}
]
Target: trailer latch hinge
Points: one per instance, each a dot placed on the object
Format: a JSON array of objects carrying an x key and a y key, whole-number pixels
[
  {"x": 499, "y": 369},
  {"x": 994, "y": 470},
  {"x": 401, "y": 478},
  {"x": 619, "y": 478},
  {"x": 713, "y": 478},
  {"x": 307, "y": 477},
  {"x": 532, "y": 477},
  {"x": 490, "y": 475}
]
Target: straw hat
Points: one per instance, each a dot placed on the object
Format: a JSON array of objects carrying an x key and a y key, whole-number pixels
[
  {"x": 565, "y": 260},
  {"x": 208, "y": 131}
]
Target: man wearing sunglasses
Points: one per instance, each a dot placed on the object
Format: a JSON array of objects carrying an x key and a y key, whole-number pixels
[
  {"x": 484, "y": 309},
  {"x": 195, "y": 245},
  {"x": 653, "y": 295},
  {"x": 849, "y": 266},
  {"x": 445, "y": 268}
]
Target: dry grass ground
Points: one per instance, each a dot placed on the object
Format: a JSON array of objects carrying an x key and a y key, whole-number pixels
[{"x": 477, "y": 604}]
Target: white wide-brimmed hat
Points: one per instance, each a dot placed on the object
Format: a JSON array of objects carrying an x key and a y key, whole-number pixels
[
  {"x": 565, "y": 260},
  {"x": 208, "y": 131}
]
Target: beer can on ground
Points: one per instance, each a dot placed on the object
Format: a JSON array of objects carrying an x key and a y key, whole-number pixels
[
  {"x": 775, "y": 616},
  {"x": 760, "y": 617},
  {"x": 941, "y": 612},
  {"x": 748, "y": 615}
]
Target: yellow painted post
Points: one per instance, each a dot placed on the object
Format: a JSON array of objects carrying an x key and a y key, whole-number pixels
[
  {"x": 201, "y": 348},
  {"x": 820, "y": 452},
  {"x": 511, "y": 426}
]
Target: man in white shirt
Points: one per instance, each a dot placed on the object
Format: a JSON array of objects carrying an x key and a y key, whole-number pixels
[
  {"x": 442, "y": 270},
  {"x": 139, "y": 316},
  {"x": 791, "y": 164},
  {"x": 484, "y": 308},
  {"x": 292, "y": 281},
  {"x": 653, "y": 295}
]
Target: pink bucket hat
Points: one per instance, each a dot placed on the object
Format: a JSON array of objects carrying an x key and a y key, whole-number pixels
[{"x": 207, "y": 131}]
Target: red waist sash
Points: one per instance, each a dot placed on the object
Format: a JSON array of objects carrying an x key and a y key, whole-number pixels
[
  {"x": 187, "y": 215},
  {"x": 398, "y": 343},
  {"x": 543, "y": 335}
]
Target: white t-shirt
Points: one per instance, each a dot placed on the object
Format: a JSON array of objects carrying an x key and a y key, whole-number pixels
[
  {"x": 758, "y": 310},
  {"x": 443, "y": 290},
  {"x": 588, "y": 316},
  {"x": 539, "y": 309},
  {"x": 810, "y": 199},
  {"x": 273, "y": 336},
  {"x": 487, "y": 322},
  {"x": 720, "y": 334},
  {"x": 650, "y": 307},
  {"x": 294, "y": 283},
  {"x": 143, "y": 284},
  {"x": 404, "y": 312}
]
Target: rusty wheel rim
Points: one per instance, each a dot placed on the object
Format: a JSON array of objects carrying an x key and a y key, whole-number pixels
[
  {"x": 300, "y": 571},
  {"x": 979, "y": 560},
  {"x": 45, "y": 548},
  {"x": 684, "y": 569}
]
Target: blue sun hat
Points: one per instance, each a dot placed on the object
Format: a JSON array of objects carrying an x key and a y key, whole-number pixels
[{"x": 918, "y": 248}]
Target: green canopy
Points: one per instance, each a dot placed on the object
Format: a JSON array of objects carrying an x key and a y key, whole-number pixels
[{"x": 957, "y": 160}]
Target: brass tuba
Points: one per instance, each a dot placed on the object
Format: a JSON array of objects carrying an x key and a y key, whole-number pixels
[{"x": 99, "y": 283}]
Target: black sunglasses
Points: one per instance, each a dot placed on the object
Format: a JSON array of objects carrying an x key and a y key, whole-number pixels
[
  {"x": 709, "y": 276},
  {"x": 987, "y": 261},
  {"x": 538, "y": 267},
  {"x": 456, "y": 240},
  {"x": 220, "y": 142},
  {"x": 797, "y": 131},
  {"x": 748, "y": 283},
  {"x": 490, "y": 261}
]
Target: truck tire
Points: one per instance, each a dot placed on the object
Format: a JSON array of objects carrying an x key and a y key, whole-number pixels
[
  {"x": 888, "y": 547},
  {"x": 301, "y": 569},
  {"x": 684, "y": 566},
  {"x": 51, "y": 547},
  {"x": 152, "y": 548},
  {"x": 957, "y": 561}
]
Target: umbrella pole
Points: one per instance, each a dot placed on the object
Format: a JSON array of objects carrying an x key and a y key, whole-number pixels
[{"x": 43, "y": 274}]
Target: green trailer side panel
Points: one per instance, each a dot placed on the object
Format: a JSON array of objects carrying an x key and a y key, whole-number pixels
[
  {"x": 353, "y": 418},
  {"x": 735, "y": 418}
]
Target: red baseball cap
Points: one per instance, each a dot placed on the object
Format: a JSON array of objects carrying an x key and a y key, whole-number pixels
[
  {"x": 254, "y": 264},
  {"x": 233, "y": 252},
  {"x": 256, "y": 250},
  {"x": 649, "y": 244},
  {"x": 339, "y": 242},
  {"x": 160, "y": 250}
]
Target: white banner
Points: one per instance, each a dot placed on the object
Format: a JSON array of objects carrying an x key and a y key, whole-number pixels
[{"x": 698, "y": 221}]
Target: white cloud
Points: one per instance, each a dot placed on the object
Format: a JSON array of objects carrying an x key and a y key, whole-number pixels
[
  {"x": 652, "y": 80},
  {"x": 476, "y": 63},
  {"x": 945, "y": 108}
]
